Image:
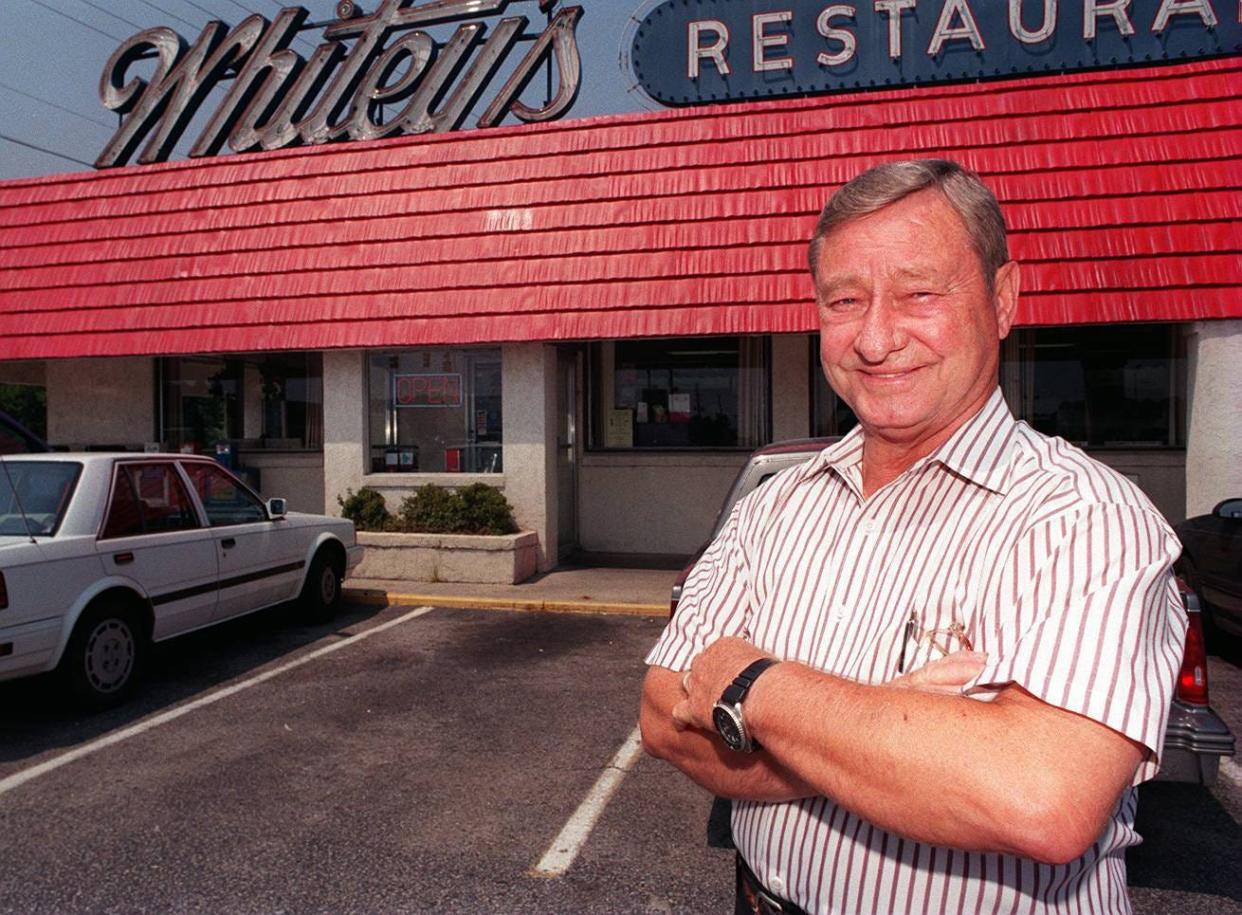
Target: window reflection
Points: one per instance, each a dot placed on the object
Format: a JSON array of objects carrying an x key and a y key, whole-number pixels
[{"x": 688, "y": 392}]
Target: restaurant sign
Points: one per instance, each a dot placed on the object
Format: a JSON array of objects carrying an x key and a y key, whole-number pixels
[
  {"x": 691, "y": 52},
  {"x": 356, "y": 85}
]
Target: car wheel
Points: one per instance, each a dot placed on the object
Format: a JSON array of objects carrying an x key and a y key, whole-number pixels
[
  {"x": 104, "y": 657},
  {"x": 321, "y": 595}
]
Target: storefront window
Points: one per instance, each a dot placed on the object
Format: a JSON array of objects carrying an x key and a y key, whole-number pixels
[
  {"x": 26, "y": 403},
  {"x": 1099, "y": 386},
  {"x": 268, "y": 401},
  {"x": 688, "y": 392},
  {"x": 436, "y": 411}
]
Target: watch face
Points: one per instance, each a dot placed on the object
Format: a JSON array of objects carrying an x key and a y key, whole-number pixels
[{"x": 728, "y": 727}]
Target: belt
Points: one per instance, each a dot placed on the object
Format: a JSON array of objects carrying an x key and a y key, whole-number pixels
[{"x": 754, "y": 898}]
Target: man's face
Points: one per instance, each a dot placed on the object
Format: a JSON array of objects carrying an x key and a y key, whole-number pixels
[{"x": 908, "y": 332}]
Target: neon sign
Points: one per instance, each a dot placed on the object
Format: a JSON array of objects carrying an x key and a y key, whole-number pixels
[{"x": 278, "y": 99}]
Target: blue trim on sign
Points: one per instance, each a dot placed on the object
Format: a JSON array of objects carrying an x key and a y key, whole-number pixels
[{"x": 972, "y": 45}]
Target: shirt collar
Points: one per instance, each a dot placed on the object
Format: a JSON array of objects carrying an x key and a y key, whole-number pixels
[{"x": 979, "y": 450}]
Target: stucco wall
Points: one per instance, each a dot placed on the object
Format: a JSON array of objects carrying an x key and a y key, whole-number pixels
[
  {"x": 791, "y": 388},
  {"x": 1160, "y": 474},
  {"x": 25, "y": 372},
  {"x": 101, "y": 402},
  {"x": 344, "y": 425},
  {"x": 1214, "y": 424},
  {"x": 652, "y": 503},
  {"x": 528, "y": 389}
]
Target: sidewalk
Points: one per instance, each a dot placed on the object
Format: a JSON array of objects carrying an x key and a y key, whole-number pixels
[{"x": 636, "y": 592}]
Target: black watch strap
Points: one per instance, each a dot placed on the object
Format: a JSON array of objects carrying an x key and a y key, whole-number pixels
[{"x": 736, "y": 691}]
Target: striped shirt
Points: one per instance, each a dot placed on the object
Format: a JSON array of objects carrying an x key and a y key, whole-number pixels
[{"x": 1055, "y": 565}]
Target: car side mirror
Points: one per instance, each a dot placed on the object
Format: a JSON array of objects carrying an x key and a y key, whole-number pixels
[
  {"x": 277, "y": 509},
  {"x": 1230, "y": 508}
]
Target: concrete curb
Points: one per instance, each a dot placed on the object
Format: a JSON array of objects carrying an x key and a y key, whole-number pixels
[{"x": 382, "y": 597}]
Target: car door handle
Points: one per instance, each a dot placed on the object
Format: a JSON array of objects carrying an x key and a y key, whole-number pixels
[
  {"x": 122, "y": 558},
  {"x": 228, "y": 543}
]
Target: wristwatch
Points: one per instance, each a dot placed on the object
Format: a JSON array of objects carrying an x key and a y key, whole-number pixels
[{"x": 727, "y": 713}]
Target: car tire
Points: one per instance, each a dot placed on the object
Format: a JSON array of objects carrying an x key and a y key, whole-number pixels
[
  {"x": 104, "y": 658},
  {"x": 321, "y": 594}
]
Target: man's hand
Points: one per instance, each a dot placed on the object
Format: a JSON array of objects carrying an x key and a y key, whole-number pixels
[
  {"x": 945, "y": 675},
  {"x": 710, "y": 674}
]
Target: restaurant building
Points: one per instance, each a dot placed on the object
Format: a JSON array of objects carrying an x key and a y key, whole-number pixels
[{"x": 604, "y": 316}]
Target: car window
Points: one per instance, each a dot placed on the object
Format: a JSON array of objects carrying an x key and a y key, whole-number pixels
[
  {"x": 16, "y": 438},
  {"x": 223, "y": 498},
  {"x": 1230, "y": 508},
  {"x": 34, "y": 495},
  {"x": 148, "y": 498},
  {"x": 11, "y": 442}
]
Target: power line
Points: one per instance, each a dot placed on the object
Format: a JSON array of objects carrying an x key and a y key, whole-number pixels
[
  {"x": 164, "y": 12},
  {"x": 50, "y": 152},
  {"x": 276, "y": 3},
  {"x": 85, "y": 25},
  {"x": 214, "y": 15},
  {"x": 299, "y": 37},
  {"x": 108, "y": 12},
  {"x": 238, "y": 5},
  {"x": 78, "y": 114},
  {"x": 211, "y": 13}
]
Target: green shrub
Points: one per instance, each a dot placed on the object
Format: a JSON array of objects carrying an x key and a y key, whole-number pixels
[
  {"x": 366, "y": 508},
  {"x": 485, "y": 510},
  {"x": 430, "y": 509},
  {"x": 474, "y": 509}
]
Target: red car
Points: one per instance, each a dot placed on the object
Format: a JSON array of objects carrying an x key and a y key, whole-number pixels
[{"x": 1212, "y": 564}]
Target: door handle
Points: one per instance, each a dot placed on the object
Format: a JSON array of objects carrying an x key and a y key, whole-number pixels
[{"x": 228, "y": 543}]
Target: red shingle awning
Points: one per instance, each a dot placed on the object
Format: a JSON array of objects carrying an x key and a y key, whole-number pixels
[{"x": 1121, "y": 190}]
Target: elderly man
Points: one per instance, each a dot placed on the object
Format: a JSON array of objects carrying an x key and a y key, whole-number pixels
[{"x": 932, "y": 663}]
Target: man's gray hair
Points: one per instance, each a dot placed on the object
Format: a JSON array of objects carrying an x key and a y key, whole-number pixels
[{"x": 886, "y": 184}]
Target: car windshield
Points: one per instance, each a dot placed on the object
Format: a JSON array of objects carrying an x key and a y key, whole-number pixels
[{"x": 34, "y": 496}]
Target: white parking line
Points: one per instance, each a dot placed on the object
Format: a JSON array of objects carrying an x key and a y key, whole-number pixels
[
  {"x": 565, "y": 847},
  {"x": 17, "y": 779}
]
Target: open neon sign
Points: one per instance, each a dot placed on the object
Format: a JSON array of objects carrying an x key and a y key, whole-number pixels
[{"x": 427, "y": 390}]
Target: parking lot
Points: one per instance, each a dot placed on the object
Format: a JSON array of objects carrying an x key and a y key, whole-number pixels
[{"x": 420, "y": 760}]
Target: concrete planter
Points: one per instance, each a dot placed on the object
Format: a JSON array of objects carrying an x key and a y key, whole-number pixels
[{"x": 501, "y": 559}]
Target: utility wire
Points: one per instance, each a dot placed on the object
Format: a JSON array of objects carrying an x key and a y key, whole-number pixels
[
  {"x": 52, "y": 9},
  {"x": 306, "y": 41},
  {"x": 76, "y": 114},
  {"x": 299, "y": 37},
  {"x": 108, "y": 12},
  {"x": 212, "y": 13},
  {"x": 50, "y": 152},
  {"x": 215, "y": 15},
  {"x": 164, "y": 12},
  {"x": 238, "y": 5}
]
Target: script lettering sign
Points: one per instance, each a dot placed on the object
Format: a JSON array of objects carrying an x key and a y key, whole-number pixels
[
  {"x": 277, "y": 99},
  {"x": 691, "y": 52}
]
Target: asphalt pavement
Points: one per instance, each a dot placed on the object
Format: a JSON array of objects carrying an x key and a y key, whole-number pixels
[
  {"x": 428, "y": 767},
  {"x": 411, "y": 758}
]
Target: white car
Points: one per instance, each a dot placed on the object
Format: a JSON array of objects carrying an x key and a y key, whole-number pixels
[{"x": 103, "y": 554}]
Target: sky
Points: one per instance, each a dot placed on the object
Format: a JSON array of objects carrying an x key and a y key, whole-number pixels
[{"x": 54, "y": 52}]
